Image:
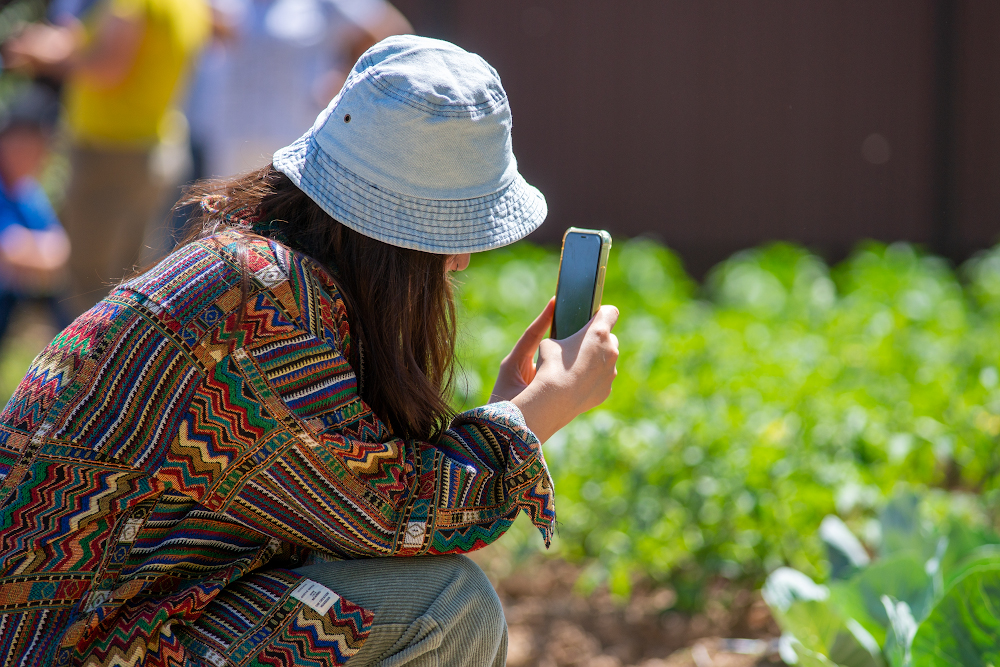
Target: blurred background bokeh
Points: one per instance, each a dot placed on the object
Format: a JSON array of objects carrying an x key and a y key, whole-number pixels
[
  {"x": 720, "y": 125},
  {"x": 710, "y": 126}
]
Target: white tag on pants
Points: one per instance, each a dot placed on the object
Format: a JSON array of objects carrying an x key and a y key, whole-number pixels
[{"x": 315, "y": 595}]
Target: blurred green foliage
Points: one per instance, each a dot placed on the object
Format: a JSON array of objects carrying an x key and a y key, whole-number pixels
[
  {"x": 14, "y": 15},
  {"x": 748, "y": 409},
  {"x": 928, "y": 598}
]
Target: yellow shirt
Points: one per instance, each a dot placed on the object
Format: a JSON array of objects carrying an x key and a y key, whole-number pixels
[{"x": 135, "y": 112}]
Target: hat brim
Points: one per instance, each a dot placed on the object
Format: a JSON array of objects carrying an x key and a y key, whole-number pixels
[{"x": 431, "y": 225}]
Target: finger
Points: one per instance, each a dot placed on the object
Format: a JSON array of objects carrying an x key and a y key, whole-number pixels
[{"x": 535, "y": 333}]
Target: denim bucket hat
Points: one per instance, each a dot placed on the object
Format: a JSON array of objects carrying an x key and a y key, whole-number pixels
[{"x": 415, "y": 151}]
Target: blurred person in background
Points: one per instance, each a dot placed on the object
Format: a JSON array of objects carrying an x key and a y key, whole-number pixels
[
  {"x": 67, "y": 12},
  {"x": 33, "y": 245},
  {"x": 273, "y": 67},
  {"x": 123, "y": 67}
]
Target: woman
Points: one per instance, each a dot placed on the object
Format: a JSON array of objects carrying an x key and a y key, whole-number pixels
[{"x": 202, "y": 468}]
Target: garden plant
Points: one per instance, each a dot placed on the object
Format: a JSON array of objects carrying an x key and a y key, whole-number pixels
[
  {"x": 748, "y": 409},
  {"x": 931, "y": 597}
]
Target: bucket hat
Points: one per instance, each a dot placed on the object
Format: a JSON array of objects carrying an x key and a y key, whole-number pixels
[{"x": 415, "y": 151}]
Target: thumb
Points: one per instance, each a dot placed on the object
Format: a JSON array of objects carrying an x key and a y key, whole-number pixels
[
  {"x": 606, "y": 317},
  {"x": 535, "y": 333}
]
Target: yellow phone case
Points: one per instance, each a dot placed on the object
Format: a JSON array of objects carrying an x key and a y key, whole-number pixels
[{"x": 602, "y": 263}]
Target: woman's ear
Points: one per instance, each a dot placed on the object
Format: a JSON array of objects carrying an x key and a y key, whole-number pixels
[{"x": 457, "y": 262}]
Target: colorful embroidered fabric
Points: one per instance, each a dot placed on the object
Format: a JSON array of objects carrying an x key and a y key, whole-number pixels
[{"x": 167, "y": 460}]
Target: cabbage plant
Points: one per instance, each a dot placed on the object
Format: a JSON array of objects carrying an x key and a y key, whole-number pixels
[{"x": 930, "y": 597}]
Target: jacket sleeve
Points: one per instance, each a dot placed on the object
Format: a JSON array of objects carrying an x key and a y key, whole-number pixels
[
  {"x": 340, "y": 483},
  {"x": 484, "y": 469}
]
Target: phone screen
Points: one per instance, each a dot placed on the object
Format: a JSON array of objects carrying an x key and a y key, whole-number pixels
[{"x": 577, "y": 277}]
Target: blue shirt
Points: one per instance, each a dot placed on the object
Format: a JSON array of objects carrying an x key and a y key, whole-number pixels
[{"x": 28, "y": 206}]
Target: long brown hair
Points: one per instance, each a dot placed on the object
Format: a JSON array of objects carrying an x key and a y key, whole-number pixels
[{"x": 400, "y": 302}]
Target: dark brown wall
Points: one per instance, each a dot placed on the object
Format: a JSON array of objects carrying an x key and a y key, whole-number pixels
[
  {"x": 717, "y": 125},
  {"x": 976, "y": 161}
]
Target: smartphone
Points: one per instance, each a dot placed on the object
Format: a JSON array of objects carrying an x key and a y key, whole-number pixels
[{"x": 582, "y": 264}]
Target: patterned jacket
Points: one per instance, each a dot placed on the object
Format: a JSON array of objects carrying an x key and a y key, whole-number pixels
[{"x": 165, "y": 463}]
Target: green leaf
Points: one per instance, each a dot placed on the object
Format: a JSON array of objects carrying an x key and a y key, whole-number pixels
[
  {"x": 799, "y": 605},
  {"x": 963, "y": 629},
  {"x": 809, "y": 658},
  {"x": 902, "y": 576},
  {"x": 852, "y": 603},
  {"x": 900, "y": 520},
  {"x": 965, "y": 543},
  {"x": 846, "y": 653},
  {"x": 793, "y": 652},
  {"x": 984, "y": 556},
  {"x": 844, "y": 551},
  {"x": 902, "y": 627},
  {"x": 855, "y": 647},
  {"x": 786, "y": 586},
  {"x": 803, "y": 610}
]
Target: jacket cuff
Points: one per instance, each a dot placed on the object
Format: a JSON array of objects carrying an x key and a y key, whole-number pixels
[{"x": 526, "y": 478}]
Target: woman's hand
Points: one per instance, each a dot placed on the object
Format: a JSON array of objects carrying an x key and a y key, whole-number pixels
[
  {"x": 517, "y": 369},
  {"x": 572, "y": 376}
]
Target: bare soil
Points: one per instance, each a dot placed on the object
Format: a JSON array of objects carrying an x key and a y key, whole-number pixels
[{"x": 552, "y": 625}]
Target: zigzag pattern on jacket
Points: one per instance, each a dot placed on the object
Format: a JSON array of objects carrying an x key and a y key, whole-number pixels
[
  {"x": 179, "y": 442},
  {"x": 295, "y": 634}
]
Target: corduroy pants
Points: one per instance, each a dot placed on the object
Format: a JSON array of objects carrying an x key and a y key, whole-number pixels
[{"x": 431, "y": 611}]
